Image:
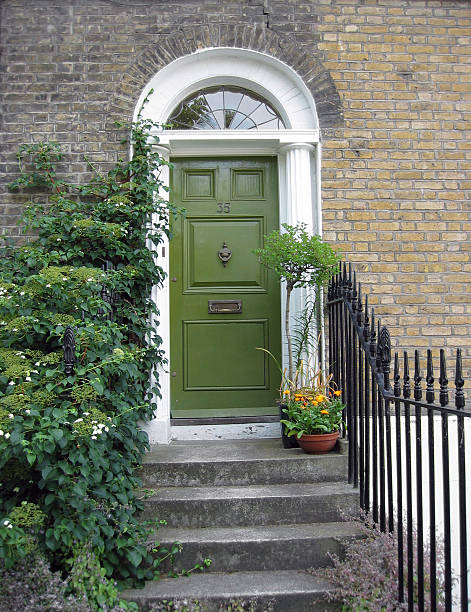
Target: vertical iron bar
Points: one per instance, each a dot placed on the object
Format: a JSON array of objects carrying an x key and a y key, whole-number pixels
[
  {"x": 400, "y": 531},
  {"x": 385, "y": 367},
  {"x": 408, "y": 458},
  {"x": 354, "y": 394},
  {"x": 361, "y": 415},
  {"x": 430, "y": 398},
  {"x": 374, "y": 423},
  {"x": 419, "y": 504},
  {"x": 446, "y": 511},
  {"x": 366, "y": 335},
  {"x": 459, "y": 403},
  {"x": 382, "y": 479}
]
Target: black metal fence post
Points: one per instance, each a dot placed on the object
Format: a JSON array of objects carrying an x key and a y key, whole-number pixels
[{"x": 392, "y": 488}]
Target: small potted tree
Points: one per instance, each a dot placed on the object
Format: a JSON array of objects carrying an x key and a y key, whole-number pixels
[{"x": 300, "y": 259}]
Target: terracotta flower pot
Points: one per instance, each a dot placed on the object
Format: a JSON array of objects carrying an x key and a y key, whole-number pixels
[{"x": 318, "y": 444}]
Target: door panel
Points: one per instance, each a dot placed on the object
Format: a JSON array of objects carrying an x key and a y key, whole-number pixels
[
  {"x": 205, "y": 272},
  {"x": 224, "y": 304}
]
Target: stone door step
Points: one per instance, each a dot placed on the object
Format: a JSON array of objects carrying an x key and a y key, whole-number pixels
[
  {"x": 232, "y": 549},
  {"x": 280, "y": 591},
  {"x": 252, "y": 505}
]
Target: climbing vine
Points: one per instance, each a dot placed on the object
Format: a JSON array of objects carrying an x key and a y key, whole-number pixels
[{"x": 69, "y": 444}]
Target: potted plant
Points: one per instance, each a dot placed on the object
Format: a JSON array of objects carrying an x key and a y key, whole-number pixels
[
  {"x": 300, "y": 260},
  {"x": 313, "y": 414}
]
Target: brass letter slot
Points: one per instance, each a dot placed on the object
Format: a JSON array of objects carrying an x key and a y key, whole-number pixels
[{"x": 224, "y": 306}]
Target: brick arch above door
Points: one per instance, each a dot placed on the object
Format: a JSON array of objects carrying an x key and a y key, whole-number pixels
[{"x": 307, "y": 64}]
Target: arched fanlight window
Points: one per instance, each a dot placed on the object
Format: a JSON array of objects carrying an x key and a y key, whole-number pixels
[{"x": 225, "y": 108}]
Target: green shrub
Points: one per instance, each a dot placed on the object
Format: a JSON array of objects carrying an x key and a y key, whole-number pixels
[{"x": 70, "y": 444}]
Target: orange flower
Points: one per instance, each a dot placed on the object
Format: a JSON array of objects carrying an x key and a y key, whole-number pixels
[
  {"x": 337, "y": 393},
  {"x": 314, "y": 403},
  {"x": 286, "y": 392},
  {"x": 324, "y": 412},
  {"x": 320, "y": 398}
]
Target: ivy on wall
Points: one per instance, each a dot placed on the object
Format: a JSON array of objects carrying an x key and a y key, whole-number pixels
[{"x": 70, "y": 444}]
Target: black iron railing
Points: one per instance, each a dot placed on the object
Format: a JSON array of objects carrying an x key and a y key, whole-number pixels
[{"x": 406, "y": 455}]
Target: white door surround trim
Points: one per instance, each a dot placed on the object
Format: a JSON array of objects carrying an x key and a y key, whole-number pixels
[{"x": 299, "y": 155}]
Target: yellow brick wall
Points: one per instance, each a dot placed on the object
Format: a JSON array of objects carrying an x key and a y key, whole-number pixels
[{"x": 396, "y": 181}]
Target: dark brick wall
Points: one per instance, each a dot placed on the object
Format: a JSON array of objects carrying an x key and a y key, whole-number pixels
[{"x": 392, "y": 82}]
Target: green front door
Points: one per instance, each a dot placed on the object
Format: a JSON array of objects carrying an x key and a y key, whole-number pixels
[{"x": 223, "y": 303}]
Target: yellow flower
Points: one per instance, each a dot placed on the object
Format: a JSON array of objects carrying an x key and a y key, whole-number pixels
[
  {"x": 337, "y": 393},
  {"x": 314, "y": 403},
  {"x": 286, "y": 392},
  {"x": 324, "y": 412},
  {"x": 320, "y": 398}
]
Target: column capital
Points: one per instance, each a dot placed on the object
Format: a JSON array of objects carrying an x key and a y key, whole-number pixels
[
  {"x": 162, "y": 149},
  {"x": 296, "y": 146}
]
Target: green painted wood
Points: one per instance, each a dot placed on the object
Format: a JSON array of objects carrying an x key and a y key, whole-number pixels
[{"x": 216, "y": 369}]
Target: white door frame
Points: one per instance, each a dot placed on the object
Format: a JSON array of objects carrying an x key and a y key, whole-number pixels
[{"x": 298, "y": 151}]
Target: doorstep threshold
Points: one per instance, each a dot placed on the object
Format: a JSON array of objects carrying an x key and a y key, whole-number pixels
[{"x": 223, "y": 421}]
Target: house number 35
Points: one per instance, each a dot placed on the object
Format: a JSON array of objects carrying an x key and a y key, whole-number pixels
[{"x": 224, "y": 208}]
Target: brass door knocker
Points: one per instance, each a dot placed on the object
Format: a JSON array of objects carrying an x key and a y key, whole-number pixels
[{"x": 224, "y": 254}]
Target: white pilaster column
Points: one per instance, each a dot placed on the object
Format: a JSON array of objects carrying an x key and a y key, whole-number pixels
[
  {"x": 302, "y": 207},
  {"x": 158, "y": 429},
  {"x": 300, "y": 184}
]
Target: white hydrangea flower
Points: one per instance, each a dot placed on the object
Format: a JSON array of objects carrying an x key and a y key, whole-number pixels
[
  {"x": 22, "y": 292},
  {"x": 11, "y": 383},
  {"x": 6, "y": 523},
  {"x": 11, "y": 416},
  {"x": 48, "y": 285},
  {"x": 38, "y": 363},
  {"x": 78, "y": 420},
  {"x": 58, "y": 239},
  {"x": 14, "y": 329},
  {"x": 89, "y": 280},
  {"x": 28, "y": 379},
  {"x": 1, "y": 432},
  {"x": 28, "y": 411},
  {"x": 7, "y": 435},
  {"x": 107, "y": 428},
  {"x": 93, "y": 437},
  {"x": 23, "y": 357}
]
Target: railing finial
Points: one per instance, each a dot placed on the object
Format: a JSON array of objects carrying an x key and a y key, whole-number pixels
[
  {"x": 384, "y": 354},
  {"x": 443, "y": 380},
  {"x": 366, "y": 321},
  {"x": 430, "y": 392},
  {"x": 459, "y": 382},
  {"x": 359, "y": 307},
  {"x": 372, "y": 334},
  {"x": 68, "y": 347},
  {"x": 417, "y": 377},
  {"x": 378, "y": 355},
  {"x": 397, "y": 376},
  {"x": 406, "y": 388}
]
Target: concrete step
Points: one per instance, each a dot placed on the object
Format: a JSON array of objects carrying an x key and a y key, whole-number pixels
[
  {"x": 237, "y": 463},
  {"x": 252, "y": 505},
  {"x": 277, "y": 591},
  {"x": 233, "y": 549}
]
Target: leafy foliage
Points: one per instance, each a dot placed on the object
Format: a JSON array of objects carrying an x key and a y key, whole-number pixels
[
  {"x": 366, "y": 580},
  {"x": 301, "y": 260},
  {"x": 31, "y": 586},
  {"x": 70, "y": 444}
]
